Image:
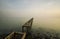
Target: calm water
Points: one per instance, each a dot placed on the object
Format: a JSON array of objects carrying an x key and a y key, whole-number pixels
[{"x": 9, "y": 24}]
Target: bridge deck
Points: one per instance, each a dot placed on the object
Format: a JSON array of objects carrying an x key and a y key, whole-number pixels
[{"x": 16, "y": 35}]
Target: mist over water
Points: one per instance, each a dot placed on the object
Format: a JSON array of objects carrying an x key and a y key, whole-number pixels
[
  {"x": 14, "y": 13},
  {"x": 8, "y": 22}
]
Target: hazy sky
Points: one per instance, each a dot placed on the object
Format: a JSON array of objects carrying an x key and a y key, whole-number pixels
[
  {"x": 36, "y": 7},
  {"x": 45, "y": 12}
]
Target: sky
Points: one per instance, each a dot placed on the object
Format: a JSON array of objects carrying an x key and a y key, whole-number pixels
[{"x": 45, "y": 12}]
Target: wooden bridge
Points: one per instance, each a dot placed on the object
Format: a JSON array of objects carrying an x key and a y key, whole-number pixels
[{"x": 26, "y": 29}]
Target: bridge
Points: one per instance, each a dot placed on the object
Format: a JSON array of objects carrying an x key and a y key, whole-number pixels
[{"x": 26, "y": 30}]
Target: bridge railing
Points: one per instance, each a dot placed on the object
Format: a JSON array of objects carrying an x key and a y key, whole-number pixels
[
  {"x": 10, "y": 36},
  {"x": 14, "y": 34}
]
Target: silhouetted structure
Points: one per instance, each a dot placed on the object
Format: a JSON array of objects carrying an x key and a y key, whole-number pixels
[
  {"x": 25, "y": 34},
  {"x": 27, "y": 26}
]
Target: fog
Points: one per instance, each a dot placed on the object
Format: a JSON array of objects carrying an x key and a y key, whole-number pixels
[
  {"x": 11, "y": 20},
  {"x": 14, "y": 14}
]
